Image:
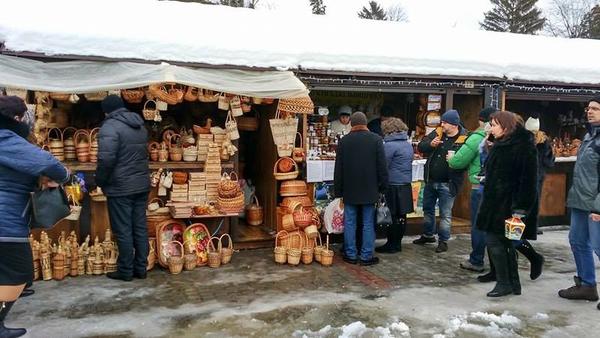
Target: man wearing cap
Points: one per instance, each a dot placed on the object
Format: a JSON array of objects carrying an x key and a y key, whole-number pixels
[
  {"x": 122, "y": 173},
  {"x": 360, "y": 177},
  {"x": 468, "y": 157},
  {"x": 442, "y": 182},
  {"x": 342, "y": 124},
  {"x": 584, "y": 201}
]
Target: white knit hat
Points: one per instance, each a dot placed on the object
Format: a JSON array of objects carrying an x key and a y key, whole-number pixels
[{"x": 532, "y": 124}]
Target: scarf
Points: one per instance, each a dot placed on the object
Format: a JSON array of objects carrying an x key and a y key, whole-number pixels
[{"x": 360, "y": 127}]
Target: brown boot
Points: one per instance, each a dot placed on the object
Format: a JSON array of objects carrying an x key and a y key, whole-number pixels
[{"x": 579, "y": 291}]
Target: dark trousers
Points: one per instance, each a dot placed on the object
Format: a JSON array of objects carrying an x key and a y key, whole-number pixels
[{"x": 128, "y": 222}]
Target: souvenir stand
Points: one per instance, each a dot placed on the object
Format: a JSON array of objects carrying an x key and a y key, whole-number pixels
[{"x": 197, "y": 128}]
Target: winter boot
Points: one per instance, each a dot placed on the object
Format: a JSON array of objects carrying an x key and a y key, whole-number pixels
[
  {"x": 579, "y": 291},
  {"x": 513, "y": 269},
  {"x": 392, "y": 245},
  {"x": 499, "y": 255},
  {"x": 424, "y": 240},
  {"x": 4, "y": 331},
  {"x": 490, "y": 276},
  {"x": 535, "y": 259}
]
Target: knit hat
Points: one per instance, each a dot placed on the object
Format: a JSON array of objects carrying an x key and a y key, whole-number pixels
[
  {"x": 345, "y": 110},
  {"x": 11, "y": 106},
  {"x": 358, "y": 119},
  {"x": 484, "y": 114},
  {"x": 532, "y": 124},
  {"x": 451, "y": 117},
  {"x": 112, "y": 103}
]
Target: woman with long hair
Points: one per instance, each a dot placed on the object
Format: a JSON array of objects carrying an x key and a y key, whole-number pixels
[
  {"x": 21, "y": 165},
  {"x": 510, "y": 190}
]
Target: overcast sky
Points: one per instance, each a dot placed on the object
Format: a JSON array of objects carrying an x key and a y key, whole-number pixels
[{"x": 465, "y": 14}]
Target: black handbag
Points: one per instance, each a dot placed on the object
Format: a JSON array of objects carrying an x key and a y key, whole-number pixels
[
  {"x": 48, "y": 207},
  {"x": 383, "y": 213}
]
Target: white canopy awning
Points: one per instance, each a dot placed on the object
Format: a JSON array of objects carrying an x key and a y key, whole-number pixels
[{"x": 90, "y": 76}]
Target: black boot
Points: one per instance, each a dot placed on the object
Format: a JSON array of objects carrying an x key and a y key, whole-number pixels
[
  {"x": 535, "y": 259},
  {"x": 4, "y": 331},
  {"x": 490, "y": 276},
  {"x": 513, "y": 270},
  {"x": 390, "y": 246},
  {"x": 499, "y": 255}
]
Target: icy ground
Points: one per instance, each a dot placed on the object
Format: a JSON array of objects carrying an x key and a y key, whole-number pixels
[{"x": 414, "y": 294}]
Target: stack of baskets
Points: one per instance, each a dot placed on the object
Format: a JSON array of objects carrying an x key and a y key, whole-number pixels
[{"x": 231, "y": 197}]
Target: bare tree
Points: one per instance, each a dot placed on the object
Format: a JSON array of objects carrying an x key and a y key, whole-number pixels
[
  {"x": 396, "y": 13},
  {"x": 569, "y": 18}
]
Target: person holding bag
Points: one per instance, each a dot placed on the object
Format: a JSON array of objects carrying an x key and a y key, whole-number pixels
[
  {"x": 21, "y": 166},
  {"x": 509, "y": 192},
  {"x": 399, "y": 156}
]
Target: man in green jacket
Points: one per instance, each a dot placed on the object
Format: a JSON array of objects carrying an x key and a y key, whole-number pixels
[{"x": 468, "y": 157}]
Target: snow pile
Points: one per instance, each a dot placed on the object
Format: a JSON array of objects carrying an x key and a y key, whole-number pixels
[
  {"x": 221, "y": 35},
  {"x": 540, "y": 317},
  {"x": 358, "y": 329},
  {"x": 482, "y": 324}
]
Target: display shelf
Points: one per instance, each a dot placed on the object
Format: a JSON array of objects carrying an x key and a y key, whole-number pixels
[
  {"x": 208, "y": 216},
  {"x": 80, "y": 166}
]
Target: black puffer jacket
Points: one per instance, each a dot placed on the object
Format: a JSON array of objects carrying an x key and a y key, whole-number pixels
[
  {"x": 510, "y": 184},
  {"x": 122, "y": 155}
]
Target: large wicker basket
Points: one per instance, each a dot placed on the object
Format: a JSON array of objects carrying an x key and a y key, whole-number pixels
[
  {"x": 281, "y": 176},
  {"x": 298, "y": 105},
  {"x": 280, "y": 251},
  {"x": 293, "y": 188},
  {"x": 231, "y": 205}
]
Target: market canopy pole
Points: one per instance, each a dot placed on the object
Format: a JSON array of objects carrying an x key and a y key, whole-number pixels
[{"x": 91, "y": 76}]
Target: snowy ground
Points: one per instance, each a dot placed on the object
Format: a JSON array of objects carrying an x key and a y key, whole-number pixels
[{"x": 254, "y": 297}]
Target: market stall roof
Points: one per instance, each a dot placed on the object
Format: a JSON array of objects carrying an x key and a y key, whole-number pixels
[
  {"x": 92, "y": 76},
  {"x": 221, "y": 35}
]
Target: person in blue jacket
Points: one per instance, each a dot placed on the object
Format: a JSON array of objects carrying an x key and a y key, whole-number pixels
[
  {"x": 399, "y": 155},
  {"x": 21, "y": 166}
]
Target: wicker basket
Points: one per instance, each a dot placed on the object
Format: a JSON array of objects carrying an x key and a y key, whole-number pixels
[
  {"x": 231, "y": 205},
  {"x": 229, "y": 187},
  {"x": 293, "y": 188},
  {"x": 254, "y": 212},
  {"x": 180, "y": 177},
  {"x": 133, "y": 95},
  {"x": 69, "y": 142},
  {"x": 56, "y": 145},
  {"x": 308, "y": 253},
  {"x": 97, "y": 96},
  {"x": 150, "y": 113},
  {"x": 166, "y": 231},
  {"x": 214, "y": 254},
  {"x": 294, "y": 254},
  {"x": 290, "y": 202},
  {"x": 169, "y": 96},
  {"x": 191, "y": 94},
  {"x": 284, "y": 131},
  {"x": 327, "y": 255},
  {"x": 197, "y": 238},
  {"x": 94, "y": 145},
  {"x": 298, "y": 105},
  {"x": 176, "y": 262},
  {"x": 82, "y": 145},
  {"x": 280, "y": 252},
  {"x": 226, "y": 252},
  {"x": 208, "y": 96},
  {"x": 302, "y": 218},
  {"x": 287, "y": 175},
  {"x": 153, "y": 148},
  {"x": 60, "y": 96},
  {"x": 298, "y": 153},
  {"x": 318, "y": 249},
  {"x": 190, "y": 259}
]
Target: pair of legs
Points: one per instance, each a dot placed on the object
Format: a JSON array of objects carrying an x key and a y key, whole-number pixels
[
  {"x": 16, "y": 270},
  {"x": 584, "y": 238},
  {"x": 395, "y": 233},
  {"x": 128, "y": 222},
  {"x": 368, "y": 231},
  {"x": 503, "y": 255},
  {"x": 435, "y": 192}
]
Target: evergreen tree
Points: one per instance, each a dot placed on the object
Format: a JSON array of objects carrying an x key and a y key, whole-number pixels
[
  {"x": 593, "y": 23},
  {"x": 515, "y": 16},
  {"x": 317, "y": 7},
  {"x": 232, "y": 3},
  {"x": 373, "y": 12}
]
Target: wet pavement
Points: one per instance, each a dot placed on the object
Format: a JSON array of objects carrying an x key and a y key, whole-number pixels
[{"x": 415, "y": 293}]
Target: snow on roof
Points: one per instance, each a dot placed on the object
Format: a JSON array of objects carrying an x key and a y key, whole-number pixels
[{"x": 220, "y": 35}]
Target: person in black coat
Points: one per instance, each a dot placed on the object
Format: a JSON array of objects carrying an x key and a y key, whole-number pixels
[
  {"x": 360, "y": 177},
  {"x": 510, "y": 190},
  {"x": 122, "y": 173}
]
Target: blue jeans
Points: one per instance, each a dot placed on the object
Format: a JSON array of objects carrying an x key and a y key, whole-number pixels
[
  {"x": 477, "y": 236},
  {"x": 584, "y": 238},
  {"x": 368, "y": 232},
  {"x": 433, "y": 192}
]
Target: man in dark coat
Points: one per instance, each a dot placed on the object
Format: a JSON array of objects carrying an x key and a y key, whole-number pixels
[
  {"x": 442, "y": 182},
  {"x": 122, "y": 174},
  {"x": 359, "y": 179}
]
